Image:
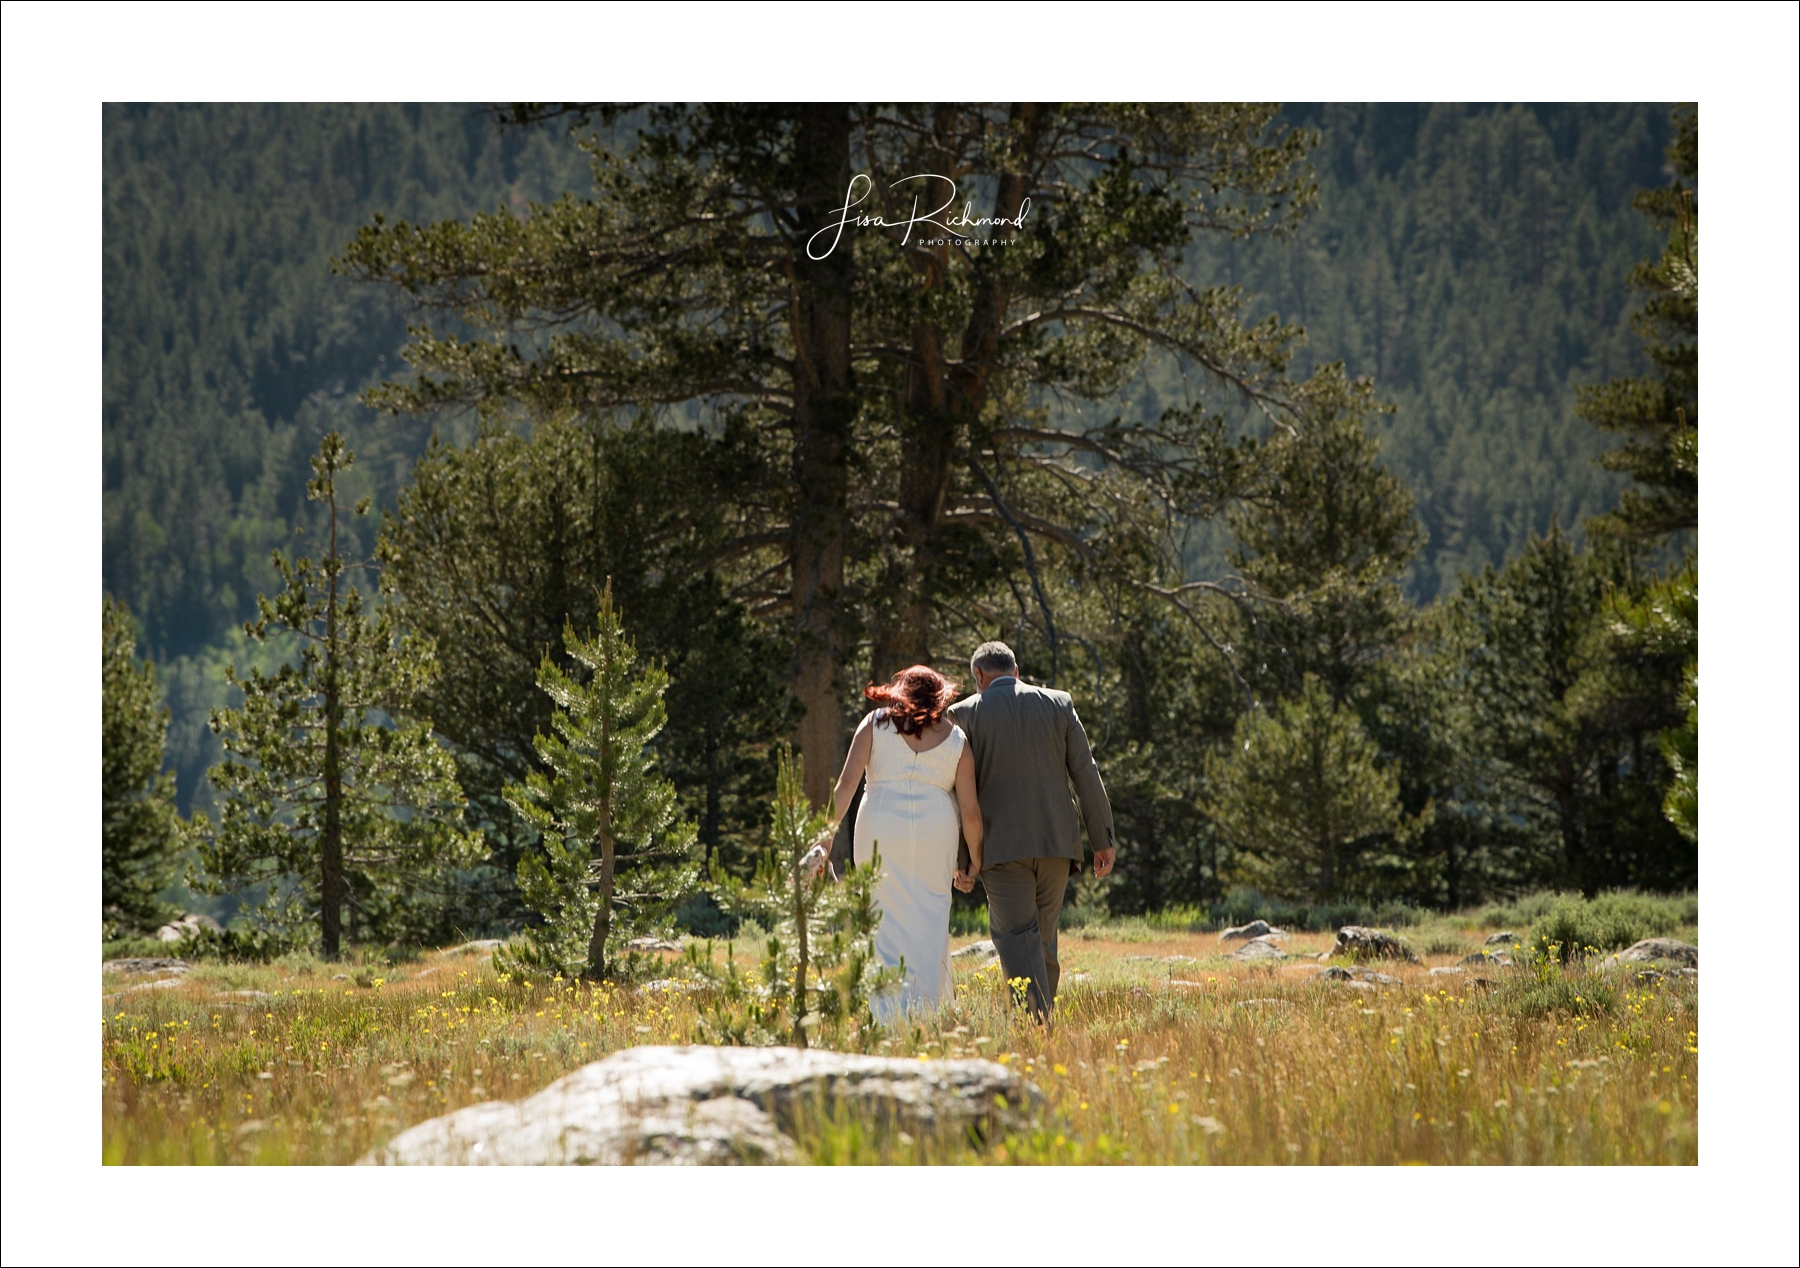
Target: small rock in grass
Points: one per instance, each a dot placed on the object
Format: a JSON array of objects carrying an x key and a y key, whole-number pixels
[
  {"x": 1257, "y": 1003},
  {"x": 1451, "y": 971},
  {"x": 1505, "y": 938},
  {"x": 983, "y": 948},
  {"x": 1179, "y": 959},
  {"x": 1684, "y": 953},
  {"x": 672, "y": 984},
  {"x": 478, "y": 946},
  {"x": 157, "y": 985},
  {"x": 1356, "y": 976},
  {"x": 1484, "y": 958},
  {"x": 144, "y": 964},
  {"x": 652, "y": 944},
  {"x": 1259, "y": 949},
  {"x": 1255, "y": 929},
  {"x": 1362, "y": 943},
  {"x": 187, "y": 926}
]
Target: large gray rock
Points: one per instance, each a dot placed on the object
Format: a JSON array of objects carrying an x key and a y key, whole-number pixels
[
  {"x": 1360, "y": 943},
  {"x": 700, "y": 1105},
  {"x": 1505, "y": 938},
  {"x": 1259, "y": 949},
  {"x": 1484, "y": 960},
  {"x": 983, "y": 949},
  {"x": 1685, "y": 953},
  {"x": 1255, "y": 929}
]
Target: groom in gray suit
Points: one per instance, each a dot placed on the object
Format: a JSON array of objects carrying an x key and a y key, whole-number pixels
[{"x": 1029, "y": 750}]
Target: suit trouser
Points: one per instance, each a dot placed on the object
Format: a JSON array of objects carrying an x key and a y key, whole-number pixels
[{"x": 1025, "y": 898}]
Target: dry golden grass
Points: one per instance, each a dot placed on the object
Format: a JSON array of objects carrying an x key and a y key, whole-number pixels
[{"x": 1208, "y": 1061}]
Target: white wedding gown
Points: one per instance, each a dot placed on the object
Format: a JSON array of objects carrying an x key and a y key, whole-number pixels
[{"x": 909, "y": 810}]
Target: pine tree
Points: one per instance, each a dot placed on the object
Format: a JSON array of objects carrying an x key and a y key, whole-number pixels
[
  {"x": 1648, "y": 669},
  {"x": 1660, "y": 417},
  {"x": 819, "y": 965},
  {"x": 1681, "y": 750},
  {"x": 1567, "y": 698},
  {"x": 140, "y": 833},
  {"x": 615, "y": 857},
  {"x": 1659, "y": 414},
  {"x": 1326, "y": 536},
  {"x": 329, "y": 783},
  {"x": 1306, "y": 801}
]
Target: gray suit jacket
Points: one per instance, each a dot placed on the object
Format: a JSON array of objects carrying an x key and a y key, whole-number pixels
[{"x": 1029, "y": 748}]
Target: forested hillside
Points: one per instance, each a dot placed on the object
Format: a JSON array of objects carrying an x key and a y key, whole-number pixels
[
  {"x": 1472, "y": 259},
  {"x": 229, "y": 347}
]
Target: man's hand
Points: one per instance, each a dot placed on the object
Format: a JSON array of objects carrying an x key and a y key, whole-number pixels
[
  {"x": 1103, "y": 863},
  {"x": 962, "y": 880}
]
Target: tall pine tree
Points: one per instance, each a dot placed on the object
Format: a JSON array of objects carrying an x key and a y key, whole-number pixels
[{"x": 329, "y": 783}]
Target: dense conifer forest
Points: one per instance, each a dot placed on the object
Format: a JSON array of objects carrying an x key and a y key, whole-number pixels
[{"x": 1471, "y": 260}]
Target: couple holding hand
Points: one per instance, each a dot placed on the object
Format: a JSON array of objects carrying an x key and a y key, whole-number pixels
[{"x": 997, "y": 770}]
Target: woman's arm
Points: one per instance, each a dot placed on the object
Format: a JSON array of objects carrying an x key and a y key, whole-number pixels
[
  {"x": 971, "y": 810},
  {"x": 856, "y": 761}
]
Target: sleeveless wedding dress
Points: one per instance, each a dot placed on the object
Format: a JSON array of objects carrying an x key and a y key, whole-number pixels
[{"x": 909, "y": 810}]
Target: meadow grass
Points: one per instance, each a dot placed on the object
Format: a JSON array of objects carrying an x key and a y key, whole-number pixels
[{"x": 1163, "y": 1051}]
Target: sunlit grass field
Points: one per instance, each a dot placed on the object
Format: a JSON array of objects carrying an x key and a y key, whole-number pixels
[{"x": 1164, "y": 1051}]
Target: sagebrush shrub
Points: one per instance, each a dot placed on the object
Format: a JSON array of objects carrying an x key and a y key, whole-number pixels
[{"x": 1573, "y": 926}]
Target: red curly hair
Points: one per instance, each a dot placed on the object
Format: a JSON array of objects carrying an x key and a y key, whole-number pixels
[{"x": 915, "y": 698}]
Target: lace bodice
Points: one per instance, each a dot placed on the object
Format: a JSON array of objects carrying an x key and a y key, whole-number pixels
[{"x": 892, "y": 759}]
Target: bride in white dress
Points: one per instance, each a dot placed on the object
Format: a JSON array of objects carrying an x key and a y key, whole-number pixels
[{"x": 921, "y": 789}]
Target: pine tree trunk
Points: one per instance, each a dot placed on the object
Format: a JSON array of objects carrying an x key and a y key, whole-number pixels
[
  {"x": 824, "y": 409},
  {"x": 606, "y": 677},
  {"x": 944, "y": 397},
  {"x": 715, "y": 788},
  {"x": 802, "y": 957},
  {"x": 596, "y": 958},
  {"x": 331, "y": 855}
]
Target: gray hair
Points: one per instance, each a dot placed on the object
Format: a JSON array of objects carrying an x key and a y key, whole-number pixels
[{"x": 993, "y": 658}]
